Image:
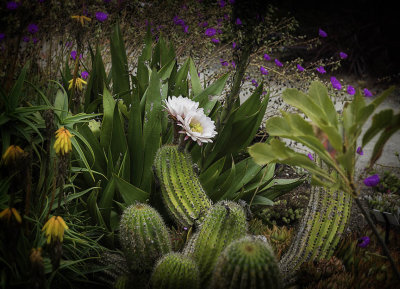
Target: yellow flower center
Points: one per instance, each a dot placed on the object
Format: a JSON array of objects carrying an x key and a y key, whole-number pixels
[{"x": 196, "y": 127}]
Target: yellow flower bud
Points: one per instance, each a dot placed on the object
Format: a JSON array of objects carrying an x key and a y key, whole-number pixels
[
  {"x": 8, "y": 213},
  {"x": 12, "y": 154},
  {"x": 54, "y": 229},
  {"x": 63, "y": 145}
]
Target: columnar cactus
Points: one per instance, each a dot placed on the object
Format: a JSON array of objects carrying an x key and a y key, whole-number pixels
[
  {"x": 319, "y": 232},
  {"x": 182, "y": 192},
  {"x": 225, "y": 222},
  {"x": 247, "y": 263},
  {"x": 144, "y": 236},
  {"x": 175, "y": 271}
]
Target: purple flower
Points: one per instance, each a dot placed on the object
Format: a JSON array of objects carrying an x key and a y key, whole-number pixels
[
  {"x": 68, "y": 44},
  {"x": 219, "y": 31},
  {"x": 25, "y": 39},
  {"x": 322, "y": 33},
  {"x": 363, "y": 242},
  {"x": 278, "y": 63},
  {"x": 233, "y": 64},
  {"x": 221, "y": 3},
  {"x": 321, "y": 69},
  {"x": 234, "y": 45},
  {"x": 343, "y": 55},
  {"x": 203, "y": 24},
  {"x": 186, "y": 29},
  {"x": 226, "y": 16},
  {"x": 85, "y": 74},
  {"x": 351, "y": 90},
  {"x": 336, "y": 83},
  {"x": 223, "y": 62},
  {"x": 215, "y": 40},
  {"x": 34, "y": 40},
  {"x": 2, "y": 36},
  {"x": 300, "y": 68},
  {"x": 238, "y": 21},
  {"x": 263, "y": 71},
  {"x": 372, "y": 181},
  {"x": 74, "y": 54},
  {"x": 33, "y": 28},
  {"x": 210, "y": 32},
  {"x": 360, "y": 151},
  {"x": 178, "y": 21},
  {"x": 267, "y": 57},
  {"x": 254, "y": 82},
  {"x": 367, "y": 93},
  {"x": 310, "y": 157},
  {"x": 12, "y": 5},
  {"x": 101, "y": 16}
]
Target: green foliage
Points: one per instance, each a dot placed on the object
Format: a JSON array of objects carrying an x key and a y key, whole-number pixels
[
  {"x": 175, "y": 271},
  {"x": 143, "y": 236},
  {"x": 182, "y": 192},
  {"x": 247, "y": 263},
  {"x": 341, "y": 131},
  {"x": 225, "y": 222}
]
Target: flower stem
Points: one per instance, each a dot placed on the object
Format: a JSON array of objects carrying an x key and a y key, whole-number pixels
[{"x": 380, "y": 240}]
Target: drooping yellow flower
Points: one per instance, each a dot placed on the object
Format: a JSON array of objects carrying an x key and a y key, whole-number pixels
[
  {"x": 54, "y": 229},
  {"x": 78, "y": 83},
  {"x": 12, "y": 154},
  {"x": 63, "y": 141},
  {"x": 81, "y": 19},
  {"x": 8, "y": 213}
]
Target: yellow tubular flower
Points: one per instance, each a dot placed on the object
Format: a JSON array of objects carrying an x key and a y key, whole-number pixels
[
  {"x": 54, "y": 229},
  {"x": 12, "y": 154},
  {"x": 63, "y": 141},
  {"x": 78, "y": 83},
  {"x": 8, "y": 213},
  {"x": 81, "y": 19}
]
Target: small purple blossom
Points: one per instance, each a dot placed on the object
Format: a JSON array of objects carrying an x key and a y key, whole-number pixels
[
  {"x": 310, "y": 156},
  {"x": 185, "y": 228},
  {"x": 322, "y": 33},
  {"x": 367, "y": 93},
  {"x": 85, "y": 74},
  {"x": 34, "y": 40},
  {"x": 336, "y": 83},
  {"x": 25, "y": 39},
  {"x": 74, "y": 54},
  {"x": 343, "y": 55},
  {"x": 221, "y": 3},
  {"x": 351, "y": 90},
  {"x": 215, "y": 40},
  {"x": 226, "y": 16},
  {"x": 267, "y": 57},
  {"x": 12, "y": 5},
  {"x": 203, "y": 24},
  {"x": 223, "y": 62},
  {"x": 263, "y": 70},
  {"x": 254, "y": 82},
  {"x": 238, "y": 21},
  {"x": 360, "y": 151},
  {"x": 2, "y": 36},
  {"x": 101, "y": 16},
  {"x": 234, "y": 45},
  {"x": 68, "y": 44},
  {"x": 363, "y": 242},
  {"x": 278, "y": 63},
  {"x": 372, "y": 181},
  {"x": 321, "y": 69},
  {"x": 33, "y": 28},
  {"x": 219, "y": 31},
  {"x": 178, "y": 21},
  {"x": 186, "y": 29},
  {"x": 210, "y": 32},
  {"x": 233, "y": 63},
  {"x": 300, "y": 68}
]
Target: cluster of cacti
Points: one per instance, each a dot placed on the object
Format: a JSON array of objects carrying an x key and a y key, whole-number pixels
[
  {"x": 182, "y": 192},
  {"x": 225, "y": 222},
  {"x": 247, "y": 263},
  {"x": 323, "y": 224},
  {"x": 143, "y": 236},
  {"x": 175, "y": 271}
]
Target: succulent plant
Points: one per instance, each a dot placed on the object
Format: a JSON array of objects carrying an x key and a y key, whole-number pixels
[
  {"x": 280, "y": 239},
  {"x": 247, "y": 263},
  {"x": 225, "y": 222},
  {"x": 175, "y": 271},
  {"x": 144, "y": 236},
  {"x": 182, "y": 192}
]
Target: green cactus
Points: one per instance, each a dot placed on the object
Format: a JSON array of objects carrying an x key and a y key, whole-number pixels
[
  {"x": 247, "y": 263},
  {"x": 182, "y": 192},
  {"x": 175, "y": 271},
  {"x": 319, "y": 232},
  {"x": 144, "y": 236},
  {"x": 225, "y": 222}
]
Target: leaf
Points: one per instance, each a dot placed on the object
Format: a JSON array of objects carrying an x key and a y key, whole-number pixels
[
  {"x": 181, "y": 84},
  {"x": 107, "y": 123},
  {"x": 194, "y": 78},
  {"x": 319, "y": 93},
  {"x": 213, "y": 90},
  {"x": 261, "y": 200},
  {"x": 61, "y": 105},
  {"x": 107, "y": 199},
  {"x": 78, "y": 150},
  {"x": 129, "y": 193},
  {"x": 210, "y": 176},
  {"x": 16, "y": 90},
  {"x": 380, "y": 120}
]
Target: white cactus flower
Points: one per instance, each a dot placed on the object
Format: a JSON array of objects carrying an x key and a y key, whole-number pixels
[
  {"x": 197, "y": 126},
  {"x": 178, "y": 107}
]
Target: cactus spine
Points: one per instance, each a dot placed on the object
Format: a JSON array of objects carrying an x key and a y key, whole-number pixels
[
  {"x": 182, "y": 192},
  {"x": 247, "y": 263},
  {"x": 320, "y": 230},
  {"x": 175, "y": 271},
  {"x": 225, "y": 222},
  {"x": 144, "y": 236}
]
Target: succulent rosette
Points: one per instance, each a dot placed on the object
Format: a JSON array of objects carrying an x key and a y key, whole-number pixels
[{"x": 197, "y": 126}]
